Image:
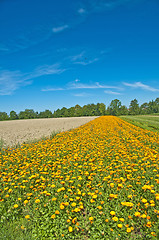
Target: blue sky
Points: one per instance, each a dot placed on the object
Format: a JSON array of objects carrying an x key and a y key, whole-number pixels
[{"x": 56, "y": 54}]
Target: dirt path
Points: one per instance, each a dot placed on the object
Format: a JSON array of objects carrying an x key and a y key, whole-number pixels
[{"x": 19, "y": 131}]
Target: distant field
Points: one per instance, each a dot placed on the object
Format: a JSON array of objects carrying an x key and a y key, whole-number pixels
[{"x": 149, "y": 122}]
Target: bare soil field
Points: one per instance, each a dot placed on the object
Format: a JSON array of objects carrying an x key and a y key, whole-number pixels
[{"x": 19, "y": 131}]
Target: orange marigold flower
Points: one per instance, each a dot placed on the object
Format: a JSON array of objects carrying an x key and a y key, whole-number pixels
[
  {"x": 128, "y": 230},
  {"x": 137, "y": 214},
  {"x": 53, "y": 216},
  {"x": 27, "y": 216},
  {"x": 73, "y": 204}
]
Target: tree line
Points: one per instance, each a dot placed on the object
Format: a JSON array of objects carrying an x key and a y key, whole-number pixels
[{"x": 115, "y": 108}]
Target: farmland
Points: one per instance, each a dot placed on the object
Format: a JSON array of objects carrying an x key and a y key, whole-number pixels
[
  {"x": 149, "y": 122},
  {"x": 98, "y": 181},
  {"x": 16, "y": 132}
]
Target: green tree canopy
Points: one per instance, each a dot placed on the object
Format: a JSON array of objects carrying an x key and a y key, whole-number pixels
[{"x": 134, "y": 108}]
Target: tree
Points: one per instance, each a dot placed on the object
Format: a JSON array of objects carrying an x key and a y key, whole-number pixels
[
  {"x": 77, "y": 111},
  {"x": 101, "y": 109},
  {"x": 114, "y": 107},
  {"x": 13, "y": 115},
  {"x": 123, "y": 110},
  {"x": 144, "y": 108},
  {"x": 134, "y": 108},
  {"x": 45, "y": 114},
  {"x": 27, "y": 114},
  {"x": 3, "y": 116}
]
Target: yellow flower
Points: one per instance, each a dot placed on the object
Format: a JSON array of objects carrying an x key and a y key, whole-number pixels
[
  {"x": 37, "y": 200},
  {"x": 90, "y": 218},
  {"x": 73, "y": 204},
  {"x": 70, "y": 229},
  {"x": 54, "y": 199},
  {"x": 112, "y": 185},
  {"x": 15, "y": 205},
  {"x": 112, "y": 213},
  {"x": 57, "y": 212},
  {"x": 137, "y": 214},
  {"x": 27, "y": 216},
  {"x": 119, "y": 225},
  {"x": 115, "y": 219},
  {"x": 121, "y": 219},
  {"x": 53, "y": 216},
  {"x": 94, "y": 196},
  {"x": 62, "y": 206},
  {"x": 128, "y": 230},
  {"x": 99, "y": 207}
]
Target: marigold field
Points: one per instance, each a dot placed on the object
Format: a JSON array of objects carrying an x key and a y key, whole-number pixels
[{"x": 99, "y": 181}]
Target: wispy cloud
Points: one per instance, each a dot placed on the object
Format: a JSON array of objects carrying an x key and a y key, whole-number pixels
[
  {"x": 88, "y": 57},
  {"x": 87, "y": 62},
  {"x": 77, "y": 85},
  {"x": 141, "y": 86},
  {"x": 83, "y": 94},
  {"x": 81, "y": 10},
  {"x": 3, "y": 48},
  {"x": 60, "y": 28},
  {"x": 100, "y": 5},
  {"x": 97, "y": 85},
  {"x": 10, "y": 81},
  {"x": 113, "y": 93},
  {"x": 47, "y": 70},
  {"x": 52, "y": 89},
  {"x": 78, "y": 56}
]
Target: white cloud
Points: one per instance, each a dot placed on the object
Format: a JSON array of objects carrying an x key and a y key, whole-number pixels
[
  {"x": 60, "y": 28},
  {"x": 141, "y": 86},
  {"x": 10, "y": 81},
  {"x": 78, "y": 56},
  {"x": 87, "y": 62},
  {"x": 81, "y": 10},
  {"x": 113, "y": 93},
  {"x": 52, "y": 89},
  {"x": 77, "y": 85},
  {"x": 81, "y": 94},
  {"x": 96, "y": 85},
  {"x": 47, "y": 70}
]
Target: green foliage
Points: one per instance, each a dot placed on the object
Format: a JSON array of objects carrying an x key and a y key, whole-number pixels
[
  {"x": 115, "y": 108},
  {"x": 134, "y": 108},
  {"x": 27, "y": 114},
  {"x": 13, "y": 115},
  {"x": 3, "y": 116},
  {"x": 149, "y": 122}
]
